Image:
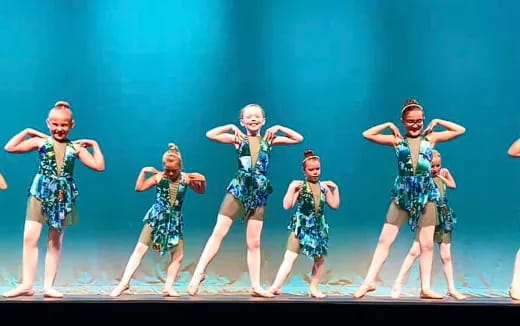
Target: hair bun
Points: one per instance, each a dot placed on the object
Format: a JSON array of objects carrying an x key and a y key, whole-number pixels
[
  {"x": 62, "y": 104},
  {"x": 411, "y": 101},
  {"x": 308, "y": 152},
  {"x": 173, "y": 147}
]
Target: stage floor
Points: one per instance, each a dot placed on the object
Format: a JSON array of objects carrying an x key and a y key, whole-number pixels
[
  {"x": 279, "y": 299},
  {"x": 228, "y": 309}
]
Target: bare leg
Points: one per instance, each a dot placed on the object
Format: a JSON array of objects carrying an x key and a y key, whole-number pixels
[
  {"x": 253, "y": 235},
  {"x": 515, "y": 283},
  {"x": 426, "y": 260},
  {"x": 133, "y": 263},
  {"x": 317, "y": 274},
  {"x": 210, "y": 250},
  {"x": 386, "y": 239},
  {"x": 447, "y": 266},
  {"x": 173, "y": 269},
  {"x": 31, "y": 235},
  {"x": 284, "y": 271},
  {"x": 52, "y": 261},
  {"x": 408, "y": 262}
]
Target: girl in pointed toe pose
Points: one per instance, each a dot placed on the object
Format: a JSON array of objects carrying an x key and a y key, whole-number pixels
[
  {"x": 446, "y": 220},
  {"x": 309, "y": 231},
  {"x": 247, "y": 193},
  {"x": 163, "y": 223},
  {"x": 414, "y": 194},
  {"x": 53, "y": 192}
]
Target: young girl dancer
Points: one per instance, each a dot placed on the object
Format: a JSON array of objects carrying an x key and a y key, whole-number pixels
[
  {"x": 446, "y": 219},
  {"x": 52, "y": 195},
  {"x": 248, "y": 191},
  {"x": 514, "y": 292},
  {"x": 163, "y": 228},
  {"x": 414, "y": 194},
  {"x": 309, "y": 231}
]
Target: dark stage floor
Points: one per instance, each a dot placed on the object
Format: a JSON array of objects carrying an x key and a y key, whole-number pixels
[{"x": 227, "y": 308}]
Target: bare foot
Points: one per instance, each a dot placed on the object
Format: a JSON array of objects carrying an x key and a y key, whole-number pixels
[
  {"x": 429, "y": 294},
  {"x": 317, "y": 294},
  {"x": 170, "y": 292},
  {"x": 456, "y": 295},
  {"x": 52, "y": 293},
  {"x": 274, "y": 291},
  {"x": 261, "y": 293},
  {"x": 514, "y": 293},
  {"x": 119, "y": 290},
  {"x": 195, "y": 282},
  {"x": 363, "y": 290},
  {"x": 19, "y": 291},
  {"x": 395, "y": 293}
]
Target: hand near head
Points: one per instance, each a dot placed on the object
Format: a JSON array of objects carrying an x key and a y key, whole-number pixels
[
  {"x": 35, "y": 133},
  {"x": 430, "y": 127},
  {"x": 239, "y": 135},
  {"x": 150, "y": 169},
  {"x": 86, "y": 143},
  {"x": 395, "y": 131},
  {"x": 296, "y": 186},
  {"x": 270, "y": 133},
  {"x": 330, "y": 185}
]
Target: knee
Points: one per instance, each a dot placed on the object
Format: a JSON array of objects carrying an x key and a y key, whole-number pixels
[
  {"x": 54, "y": 244},
  {"x": 427, "y": 245},
  {"x": 415, "y": 252},
  {"x": 446, "y": 257},
  {"x": 253, "y": 243},
  {"x": 140, "y": 249},
  {"x": 384, "y": 241},
  {"x": 178, "y": 258},
  {"x": 218, "y": 234},
  {"x": 30, "y": 240},
  {"x": 319, "y": 261}
]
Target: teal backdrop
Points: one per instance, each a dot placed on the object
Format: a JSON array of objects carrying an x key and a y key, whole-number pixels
[{"x": 142, "y": 74}]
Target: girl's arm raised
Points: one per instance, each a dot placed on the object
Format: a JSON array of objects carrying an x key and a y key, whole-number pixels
[
  {"x": 291, "y": 196},
  {"x": 94, "y": 161},
  {"x": 222, "y": 134},
  {"x": 143, "y": 184},
  {"x": 447, "y": 178},
  {"x": 514, "y": 150},
  {"x": 19, "y": 145},
  {"x": 332, "y": 196},
  {"x": 196, "y": 181},
  {"x": 290, "y": 137},
  {"x": 374, "y": 134},
  {"x": 452, "y": 131}
]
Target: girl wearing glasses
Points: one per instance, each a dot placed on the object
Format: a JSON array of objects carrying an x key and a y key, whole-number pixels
[{"x": 414, "y": 193}]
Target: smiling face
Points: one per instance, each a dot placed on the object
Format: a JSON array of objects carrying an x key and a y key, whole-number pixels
[
  {"x": 252, "y": 118},
  {"x": 60, "y": 123},
  {"x": 413, "y": 121}
]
